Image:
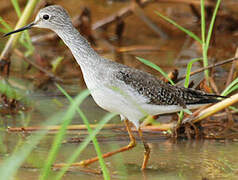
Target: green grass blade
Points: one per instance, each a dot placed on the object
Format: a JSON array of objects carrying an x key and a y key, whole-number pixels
[
  {"x": 204, "y": 45},
  {"x": 25, "y": 34},
  {"x": 28, "y": 10},
  {"x": 3, "y": 31},
  {"x": 154, "y": 66},
  {"x": 30, "y": 47},
  {"x": 188, "y": 111},
  {"x": 56, "y": 62},
  {"x": 10, "y": 165},
  {"x": 233, "y": 84},
  {"x": 181, "y": 114},
  {"x": 10, "y": 91},
  {"x": 191, "y": 34},
  {"x": 16, "y": 7},
  {"x": 95, "y": 142},
  {"x": 25, "y": 40},
  {"x": 232, "y": 89},
  {"x": 59, "y": 136},
  {"x": 5, "y": 25},
  {"x": 209, "y": 34},
  {"x": 203, "y": 22},
  {"x": 84, "y": 144},
  {"x": 233, "y": 108},
  {"x": 189, "y": 67}
]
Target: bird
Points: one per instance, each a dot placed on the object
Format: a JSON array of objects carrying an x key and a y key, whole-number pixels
[{"x": 131, "y": 93}]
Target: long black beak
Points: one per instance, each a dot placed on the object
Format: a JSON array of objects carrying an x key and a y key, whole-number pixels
[{"x": 29, "y": 26}]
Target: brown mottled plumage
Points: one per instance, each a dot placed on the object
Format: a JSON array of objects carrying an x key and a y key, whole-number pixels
[{"x": 160, "y": 93}]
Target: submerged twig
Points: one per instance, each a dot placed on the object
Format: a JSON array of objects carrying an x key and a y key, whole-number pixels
[
  {"x": 59, "y": 166},
  {"x": 56, "y": 128},
  {"x": 161, "y": 127}
]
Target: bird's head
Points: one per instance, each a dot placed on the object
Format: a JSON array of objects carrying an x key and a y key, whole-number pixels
[{"x": 51, "y": 17}]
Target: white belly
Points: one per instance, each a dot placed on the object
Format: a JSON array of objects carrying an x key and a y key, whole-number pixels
[{"x": 118, "y": 102}]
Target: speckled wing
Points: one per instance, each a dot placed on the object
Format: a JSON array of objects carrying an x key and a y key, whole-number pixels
[{"x": 160, "y": 93}]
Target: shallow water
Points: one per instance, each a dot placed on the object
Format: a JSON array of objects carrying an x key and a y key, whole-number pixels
[
  {"x": 169, "y": 160},
  {"x": 182, "y": 159}
]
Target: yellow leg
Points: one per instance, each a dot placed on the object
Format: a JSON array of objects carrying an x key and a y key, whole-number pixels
[
  {"x": 125, "y": 148},
  {"x": 146, "y": 152}
]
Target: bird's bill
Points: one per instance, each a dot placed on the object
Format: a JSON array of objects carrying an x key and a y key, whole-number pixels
[{"x": 29, "y": 26}]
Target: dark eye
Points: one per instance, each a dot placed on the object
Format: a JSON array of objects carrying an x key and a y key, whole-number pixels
[{"x": 46, "y": 16}]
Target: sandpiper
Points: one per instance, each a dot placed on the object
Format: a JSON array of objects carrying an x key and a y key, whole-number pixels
[{"x": 131, "y": 93}]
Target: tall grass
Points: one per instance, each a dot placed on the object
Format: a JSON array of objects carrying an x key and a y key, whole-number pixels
[
  {"x": 84, "y": 144},
  {"x": 204, "y": 40},
  {"x": 10, "y": 165},
  {"x": 12, "y": 92},
  {"x": 92, "y": 135},
  {"x": 188, "y": 71},
  {"x": 154, "y": 66},
  {"x": 25, "y": 39},
  {"x": 26, "y": 14},
  {"x": 6, "y": 27},
  {"x": 60, "y": 135},
  {"x": 233, "y": 86}
]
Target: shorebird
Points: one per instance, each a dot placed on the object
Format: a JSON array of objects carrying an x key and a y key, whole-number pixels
[{"x": 129, "y": 92}]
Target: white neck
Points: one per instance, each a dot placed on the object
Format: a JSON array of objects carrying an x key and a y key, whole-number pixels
[{"x": 82, "y": 51}]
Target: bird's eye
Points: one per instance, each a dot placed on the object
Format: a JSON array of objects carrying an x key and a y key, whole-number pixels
[{"x": 46, "y": 16}]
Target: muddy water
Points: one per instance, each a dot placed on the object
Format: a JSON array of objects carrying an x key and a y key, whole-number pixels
[
  {"x": 169, "y": 160},
  {"x": 181, "y": 160}
]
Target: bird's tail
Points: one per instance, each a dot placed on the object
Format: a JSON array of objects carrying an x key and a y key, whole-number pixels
[{"x": 209, "y": 98}]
